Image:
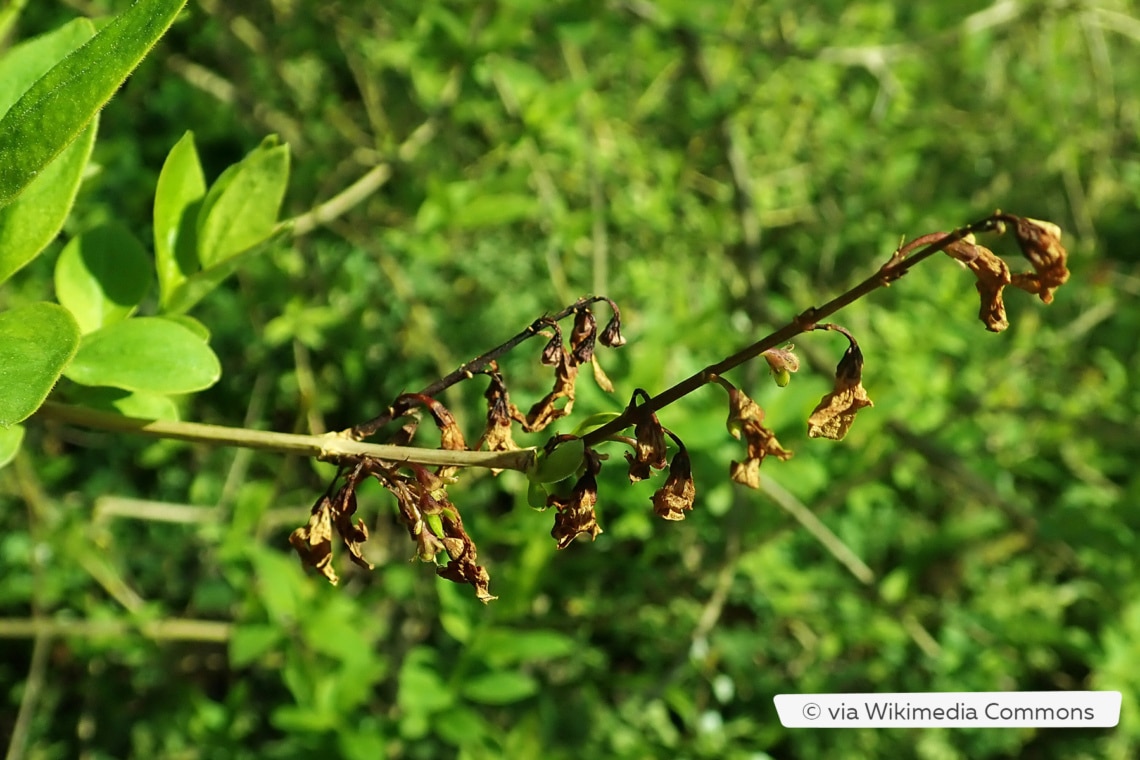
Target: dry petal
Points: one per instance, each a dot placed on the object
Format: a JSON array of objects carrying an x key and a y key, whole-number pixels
[
  {"x": 497, "y": 435},
  {"x": 836, "y": 411},
  {"x": 649, "y": 448},
  {"x": 782, "y": 359},
  {"x": 676, "y": 497},
  {"x": 576, "y": 514},
  {"x": 1041, "y": 243},
  {"x": 993, "y": 276},
  {"x": 313, "y": 542},
  {"x": 544, "y": 412},
  {"x": 745, "y": 420},
  {"x": 611, "y": 335},
  {"x": 583, "y": 336}
]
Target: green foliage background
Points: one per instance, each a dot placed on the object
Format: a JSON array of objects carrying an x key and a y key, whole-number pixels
[{"x": 715, "y": 168}]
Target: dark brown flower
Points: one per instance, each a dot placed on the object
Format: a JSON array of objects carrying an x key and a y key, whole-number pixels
[{"x": 582, "y": 337}]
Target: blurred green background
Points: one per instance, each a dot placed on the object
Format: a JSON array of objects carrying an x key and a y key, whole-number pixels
[{"x": 714, "y": 167}]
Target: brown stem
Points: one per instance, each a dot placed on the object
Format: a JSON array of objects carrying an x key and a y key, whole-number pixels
[{"x": 896, "y": 267}]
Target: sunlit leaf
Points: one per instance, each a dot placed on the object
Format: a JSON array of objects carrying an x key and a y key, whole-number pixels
[
  {"x": 146, "y": 354},
  {"x": 36, "y": 343}
]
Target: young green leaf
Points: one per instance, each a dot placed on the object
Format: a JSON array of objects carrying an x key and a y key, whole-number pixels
[
  {"x": 198, "y": 286},
  {"x": 36, "y": 343},
  {"x": 559, "y": 463},
  {"x": 101, "y": 276},
  {"x": 240, "y": 210},
  {"x": 145, "y": 354},
  {"x": 181, "y": 188},
  {"x": 60, "y": 105},
  {"x": 30, "y": 222}
]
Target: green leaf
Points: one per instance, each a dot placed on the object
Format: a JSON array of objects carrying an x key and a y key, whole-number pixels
[
  {"x": 101, "y": 276},
  {"x": 60, "y": 105},
  {"x": 250, "y": 641},
  {"x": 500, "y": 687},
  {"x": 241, "y": 208},
  {"x": 501, "y": 647},
  {"x": 536, "y": 495},
  {"x": 36, "y": 343},
  {"x": 495, "y": 210},
  {"x": 145, "y": 354},
  {"x": 191, "y": 324},
  {"x": 140, "y": 404},
  {"x": 559, "y": 464},
  {"x": 30, "y": 223},
  {"x": 181, "y": 188},
  {"x": 25, "y": 63},
  {"x": 33, "y": 220},
  {"x": 198, "y": 286},
  {"x": 10, "y": 439}
]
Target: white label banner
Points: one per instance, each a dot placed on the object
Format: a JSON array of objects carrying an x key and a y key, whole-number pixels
[{"x": 995, "y": 709}]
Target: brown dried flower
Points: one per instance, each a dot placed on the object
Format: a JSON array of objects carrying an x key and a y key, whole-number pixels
[
  {"x": 313, "y": 542},
  {"x": 745, "y": 420},
  {"x": 992, "y": 277},
  {"x": 582, "y": 337},
  {"x": 497, "y": 435},
  {"x": 835, "y": 413},
  {"x": 649, "y": 447},
  {"x": 611, "y": 334},
  {"x": 576, "y": 514},
  {"x": 676, "y": 497},
  {"x": 544, "y": 411},
  {"x": 1041, "y": 243}
]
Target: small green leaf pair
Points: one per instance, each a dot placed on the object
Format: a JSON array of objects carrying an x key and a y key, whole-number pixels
[{"x": 200, "y": 236}]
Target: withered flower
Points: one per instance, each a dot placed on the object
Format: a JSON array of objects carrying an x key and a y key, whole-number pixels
[
  {"x": 463, "y": 565},
  {"x": 782, "y": 362},
  {"x": 835, "y": 413},
  {"x": 353, "y": 534},
  {"x": 497, "y": 435},
  {"x": 992, "y": 277},
  {"x": 451, "y": 437},
  {"x": 649, "y": 446},
  {"x": 611, "y": 334},
  {"x": 1041, "y": 243},
  {"x": 576, "y": 513},
  {"x": 583, "y": 336},
  {"x": 313, "y": 542},
  {"x": 435, "y": 525},
  {"x": 746, "y": 420},
  {"x": 407, "y": 431},
  {"x": 552, "y": 351},
  {"x": 676, "y": 497},
  {"x": 544, "y": 411}
]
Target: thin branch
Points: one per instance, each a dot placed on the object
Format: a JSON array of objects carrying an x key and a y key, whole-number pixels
[
  {"x": 33, "y": 687},
  {"x": 896, "y": 267},
  {"x": 332, "y": 447},
  {"x": 170, "y": 629}
]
